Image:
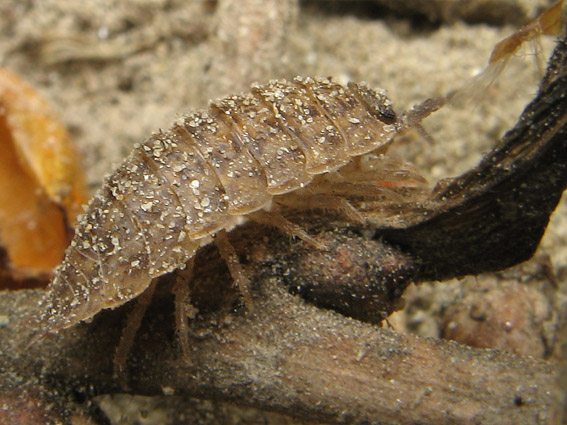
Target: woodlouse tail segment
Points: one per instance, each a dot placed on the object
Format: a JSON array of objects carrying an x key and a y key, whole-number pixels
[
  {"x": 120, "y": 245},
  {"x": 60, "y": 307}
]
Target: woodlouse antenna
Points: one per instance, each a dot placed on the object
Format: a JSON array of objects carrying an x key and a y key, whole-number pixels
[
  {"x": 414, "y": 117},
  {"x": 551, "y": 22},
  {"x": 418, "y": 113},
  {"x": 548, "y": 23}
]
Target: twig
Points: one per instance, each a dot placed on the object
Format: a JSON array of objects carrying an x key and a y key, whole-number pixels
[{"x": 289, "y": 357}]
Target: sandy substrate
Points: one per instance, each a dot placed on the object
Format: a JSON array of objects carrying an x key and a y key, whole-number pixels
[{"x": 116, "y": 71}]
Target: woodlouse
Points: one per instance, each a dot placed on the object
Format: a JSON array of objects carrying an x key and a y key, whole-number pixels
[{"x": 183, "y": 185}]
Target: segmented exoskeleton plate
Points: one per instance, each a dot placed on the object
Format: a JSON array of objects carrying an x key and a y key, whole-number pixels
[{"x": 181, "y": 186}]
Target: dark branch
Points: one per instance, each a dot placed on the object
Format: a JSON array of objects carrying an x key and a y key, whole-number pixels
[{"x": 494, "y": 216}]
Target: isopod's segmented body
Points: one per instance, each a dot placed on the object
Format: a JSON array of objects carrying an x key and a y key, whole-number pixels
[{"x": 181, "y": 186}]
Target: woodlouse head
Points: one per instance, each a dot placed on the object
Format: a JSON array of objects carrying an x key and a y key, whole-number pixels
[{"x": 377, "y": 101}]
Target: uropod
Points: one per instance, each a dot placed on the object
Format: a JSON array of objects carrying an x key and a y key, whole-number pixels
[{"x": 298, "y": 143}]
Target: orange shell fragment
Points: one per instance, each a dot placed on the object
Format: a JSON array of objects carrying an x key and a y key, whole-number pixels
[{"x": 42, "y": 187}]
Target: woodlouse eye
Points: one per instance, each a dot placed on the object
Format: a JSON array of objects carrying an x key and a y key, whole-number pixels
[
  {"x": 377, "y": 103},
  {"x": 386, "y": 114}
]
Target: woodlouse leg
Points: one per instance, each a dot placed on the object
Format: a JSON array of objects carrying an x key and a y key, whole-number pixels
[
  {"x": 400, "y": 178},
  {"x": 271, "y": 218},
  {"x": 182, "y": 306},
  {"x": 324, "y": 202},
  {"x": 382, "y": 190},
  {"x": 228, "y": 254},
  {"x": 133, "y": 323}
]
